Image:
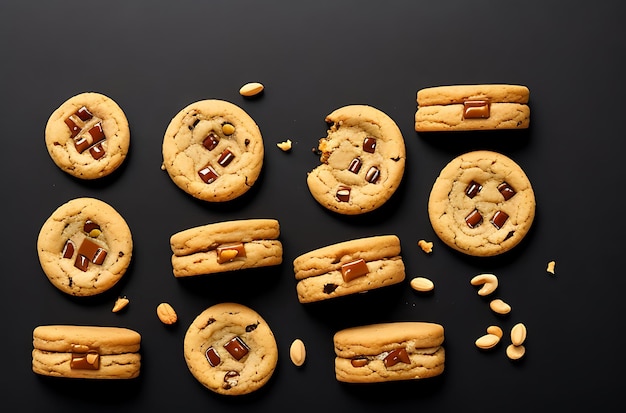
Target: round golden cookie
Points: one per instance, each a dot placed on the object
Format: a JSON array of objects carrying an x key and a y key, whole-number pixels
[
  {"x": 482, "y": 204},
  {"x": 84, "y": 247},
  {"x": 362, "y": 161},
  {"x": 88, "y": 136},
  {"x": 230, "y": 349},
  {"x": 213, "y": 150}
]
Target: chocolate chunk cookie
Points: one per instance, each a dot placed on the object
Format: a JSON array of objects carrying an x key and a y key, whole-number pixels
[
  {"x": 88, "y": 136},
  {"x": 230, "y": 349},
  {"x": 389, "y": 352},
  {"x": 362, "y": 161},
  {"x": 472, "y": 107},
  {"x": 84, "y": 247},
  {"x": 482, "y": 204},
  {"x": 86, "y": 352},
  {"x": 226, "y": 246},
  {"x": 348, "y": 267},
  {"x": 213, "y": 150}
]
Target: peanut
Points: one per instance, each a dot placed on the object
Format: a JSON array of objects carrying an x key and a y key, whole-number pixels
[
  {"x": 120, "y": 303},
  {"x": 297, "y": 352},
  {"x": 489, "y": 283},
  {"x": 495, "y": 330},
  {"x": 228, "y": 129},
  {"x": 251, "y": 89},
  {"x": 487, "y": 341},
  {"x": 518, "y": 334},
  {"x": 422, "y": 284},
  {"x": 499, "y": 306},
  {"x": 166, "y": 313},
  {"x": 515, "y": 352},
  {"x": 550, "y": 268}
]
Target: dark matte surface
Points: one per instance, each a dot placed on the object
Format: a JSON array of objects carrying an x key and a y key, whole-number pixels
[{"x": 155, "y": 57}]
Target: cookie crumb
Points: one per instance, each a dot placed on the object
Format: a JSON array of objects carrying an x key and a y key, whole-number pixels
[
  {"x": 120, "y": 303},
  {"x": 550, "y": 268},
  {"x": 285, "y": 145},
  {"x": 426, "y": 246}
]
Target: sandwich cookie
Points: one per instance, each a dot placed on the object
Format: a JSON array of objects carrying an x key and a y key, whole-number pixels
[
  {"x": 348, "y": 267},
  {"x": 226, "y": 246},
  {"x": 213, "y": 150},
  {"x": 389, "y": 352},
  {"x": 230, "y": 349},
  {"x": 472, "y": 107},
  {"x": 362, "y": 161},
  {"x": 87, "y": 352},
  {"x": 88, "y": 136},
  {"x": 481, "y": 204},
  {"x": 84, "y": 247}
]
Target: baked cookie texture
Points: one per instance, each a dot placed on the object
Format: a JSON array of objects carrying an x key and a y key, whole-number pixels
[
  {"x": 213, "y": 150},
  {"x": 226, "y": 246},
  {"x": 87, "y": 352},
  {"x": 230, "y": 349},
  {"x": 362, "y": 161},
  {"x": 482, "y": 204},
  {"x": 84, "y": 247},
  {"x": 472, "y": 107},
  {"x": 348, "y": 267},
  {"x": 389, "y": 352},
  {"x": 88, "y": 136}
]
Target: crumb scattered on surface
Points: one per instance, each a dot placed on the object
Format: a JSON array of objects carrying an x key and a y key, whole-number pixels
[
  {"x": 426, "y": 246},
  {"x": 120, "y": 303},
  {"x": 285, "y": 145},
  {"x": 550, "y": 268}
]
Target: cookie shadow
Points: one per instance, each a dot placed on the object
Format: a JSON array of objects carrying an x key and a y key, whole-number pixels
[
  {"x": 502, "y": 141},
  {"x": 357, "y": 309},
  {"x": 83, "y": 391},
  {"x": 236, "y": 285},
  {"x": 380, "y": 395}
]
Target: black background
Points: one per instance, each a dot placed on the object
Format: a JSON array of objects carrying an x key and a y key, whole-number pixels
[{"x": 155, "y": 57}]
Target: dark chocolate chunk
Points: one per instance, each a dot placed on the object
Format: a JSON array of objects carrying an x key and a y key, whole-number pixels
[
  {"x": 396, "y": 356},
  {"x": 355, "y": 166},
  {"x": 343, "y": 194},
  {"x": 212, "y": 357},
  {"x": 474, "y": 219},
  {"x": 208, "y": 174},
  {"x": 225, "y": 158},
  {"x": 369, "y": 144},
  {"x": 473, "y": 188},
  {"x": 330, "y": 288},
  {"x": 506, "y": 190},
  {"x": 211, "y": 141},
  {"x": 372, "y": 175},
  {"x": 499, "y": 218},
  {"x": 237, "y": 348}
]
